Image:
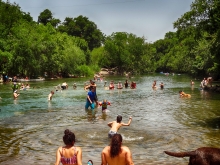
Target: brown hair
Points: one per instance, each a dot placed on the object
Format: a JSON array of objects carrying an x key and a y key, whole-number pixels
[
  {"x": 119, "y": 118},
  {"x": 115, "y": 146},
  {"x": 69, "y": 137}
]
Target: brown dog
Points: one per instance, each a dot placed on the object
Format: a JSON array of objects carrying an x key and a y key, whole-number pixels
[{"x": 201, "y": 156}]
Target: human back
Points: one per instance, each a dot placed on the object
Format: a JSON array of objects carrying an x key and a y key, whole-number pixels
[
  {"x": 115, "y": 126},
  {"x": 69, "y": 154},
  {"x": 116, "y": 154}
]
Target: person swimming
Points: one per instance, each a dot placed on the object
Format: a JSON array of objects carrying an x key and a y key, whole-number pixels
[{"x": 182, "y": 94}]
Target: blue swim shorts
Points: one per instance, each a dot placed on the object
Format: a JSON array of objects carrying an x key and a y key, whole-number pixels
[{"x": 88, "y": 104}]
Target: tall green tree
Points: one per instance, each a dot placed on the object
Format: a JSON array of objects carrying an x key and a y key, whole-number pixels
[
  {"x": 84, "y": 28},
  {"x": 47, "y": 17},
  {"x": 204, "y": 18}
]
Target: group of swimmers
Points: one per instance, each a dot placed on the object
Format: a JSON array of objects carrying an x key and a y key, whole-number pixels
[
  {"x": 112, "y": 154},
  {"x": 154, "y": 85},
  {"x": 120, "y": 85},
  {"x": 18, "y": 86},
  {"x": 181, "y": 93}
]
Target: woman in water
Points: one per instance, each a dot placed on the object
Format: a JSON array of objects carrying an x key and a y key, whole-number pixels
[
  {"x": 116, "y": 154},
  {"x": 69, "y": 154}
]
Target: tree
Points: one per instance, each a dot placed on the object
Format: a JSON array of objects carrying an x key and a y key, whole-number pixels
[
  {"x": 84, "y": 28},
  {"x": 204, "y": 18},
  {"x": 45, "y": 17}
]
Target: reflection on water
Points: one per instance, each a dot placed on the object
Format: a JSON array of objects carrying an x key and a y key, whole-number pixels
[{"x": 31, "y": 127}]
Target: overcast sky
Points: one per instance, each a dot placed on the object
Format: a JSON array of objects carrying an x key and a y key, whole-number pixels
[{"x": 148, "y": 18}]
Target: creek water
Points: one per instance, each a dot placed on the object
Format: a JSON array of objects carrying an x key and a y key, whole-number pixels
[{"x": 31, "y": 128}]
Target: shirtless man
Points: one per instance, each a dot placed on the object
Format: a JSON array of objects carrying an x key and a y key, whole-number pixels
[
  {"x": 154, "y": 84},
  {"x": 50, "y": 95},
  {"x": 115, "y": 125},
  {"x": 116, "y": 154}
]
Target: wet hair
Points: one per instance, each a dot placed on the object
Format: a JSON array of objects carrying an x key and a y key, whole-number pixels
[
  {"x": 180, "y": 91},
  {"x": 115, "y": 146},
  {"x": 69, "y": 137},
  {"x": 119, "y": 118}
]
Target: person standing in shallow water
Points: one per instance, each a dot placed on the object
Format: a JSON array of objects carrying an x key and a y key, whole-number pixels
[
  {"x": 126, "y": 84},
  {"x": 50, "y": 95},
  {"x": 69, "y": 154},
  {"x": 116, "y": 154},
  {"x": 15, "y": 94},
  {"x": 90, "y": 101}
]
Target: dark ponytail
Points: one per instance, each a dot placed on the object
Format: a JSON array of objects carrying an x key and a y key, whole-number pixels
[{"x": 115, "y": 147}]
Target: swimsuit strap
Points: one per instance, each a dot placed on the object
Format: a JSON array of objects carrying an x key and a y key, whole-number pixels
[{"x": 74, "y": 148}]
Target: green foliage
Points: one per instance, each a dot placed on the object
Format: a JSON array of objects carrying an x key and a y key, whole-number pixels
[
  {"x": 128, "y": 52},
  {"x": 47, "y": 17},
  {"x": 77, "y": 46},
  {"x": 203, "y": 22},
  {"x": 84, "y": 70},
  {"x": 84, "y": 28}
]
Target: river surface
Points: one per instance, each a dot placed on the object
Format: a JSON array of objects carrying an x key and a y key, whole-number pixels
[{"x": 31, "y": 128}]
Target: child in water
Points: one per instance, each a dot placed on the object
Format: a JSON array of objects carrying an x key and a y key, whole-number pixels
[
  {"x": 104, "y": 104},
  {"x": 182, "y": 94},
  {"x": 50, "y": 95}
]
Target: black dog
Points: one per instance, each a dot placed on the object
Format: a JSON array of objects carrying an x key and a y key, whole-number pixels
[{"x": 201, "y": 156}]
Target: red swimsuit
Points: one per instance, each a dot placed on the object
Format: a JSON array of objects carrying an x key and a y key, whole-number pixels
[{"x": 72, "y": 160}]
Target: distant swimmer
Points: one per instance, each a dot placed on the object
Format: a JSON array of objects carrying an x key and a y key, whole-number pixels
[
  {"x": 16, "y": 94},
  {"x": 126, "y": 84},
  {"x": 74, "y": 86},
  {"x": 192, "y": 83},
  {"x": 111, "y": 85},
  {"x": 50, "y": 95},
  {"x": 182, "y": 94},
  {"x": 154, "y": 84},
  {"x": 64, "y": 86},
  {"x": 133, "y": 85},
  {"x": 104, "y": 104},
  {"x": 120, "y": 86},
  {"x": 161, "y": 85},
  {"x": 105, "y": 83},
  {"x": 115, "y": 125}
]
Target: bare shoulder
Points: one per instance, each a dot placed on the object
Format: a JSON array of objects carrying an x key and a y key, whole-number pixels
[
  {"x": 78, "y": 149},
  {"x": 60, "y": 149},
  {"x": 106, "y": 149},
  {"x": 125, "y": 148}
]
